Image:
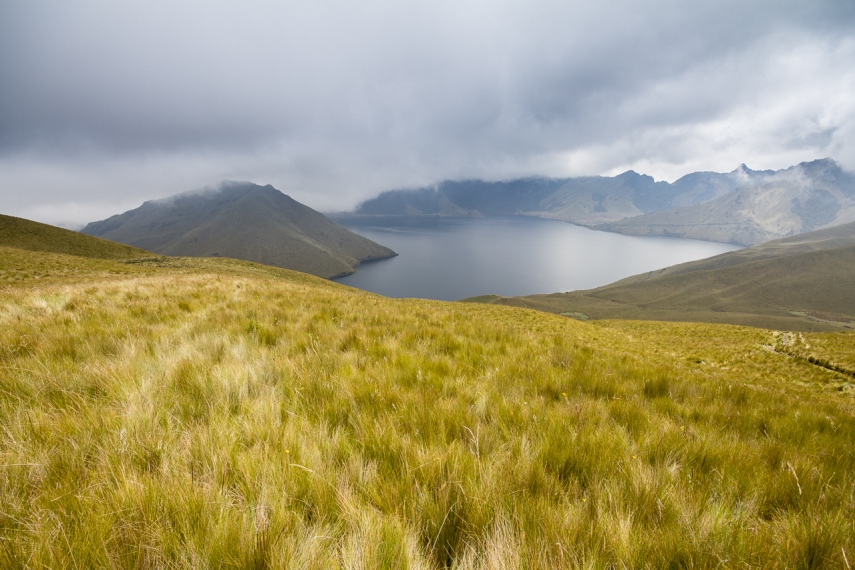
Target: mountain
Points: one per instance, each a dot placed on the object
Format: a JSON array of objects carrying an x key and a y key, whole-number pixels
[
  {"x": 244, "y": 221},
  {"x": 744, "y": 207},
  {"x": 34, "y": 236},
  {"x": 587, "y": 200},
  {"x": 802, "y": 282},
  {"x": 811, "y": 195}
]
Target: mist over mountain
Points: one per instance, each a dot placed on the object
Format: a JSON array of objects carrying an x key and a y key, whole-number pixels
[
  {"x": 805, "y": 197},
  {"x": 245, "y": 221},
  {"x": 744, "y": 206},
  {"x": 586, "y": 200}
]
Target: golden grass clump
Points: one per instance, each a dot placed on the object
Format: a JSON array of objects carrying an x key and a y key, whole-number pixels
[{"x": 210, "y": 413}]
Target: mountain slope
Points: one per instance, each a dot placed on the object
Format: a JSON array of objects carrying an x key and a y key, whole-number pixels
[
  {"x": 587, "y": 200},
  {"x": 745, "y": 206},
  {"x": 244, "y": 221},
  {"x": 35, "y": 236},
  {"x": 802, "y": 198},
  {"x": 803, "y": 282}
]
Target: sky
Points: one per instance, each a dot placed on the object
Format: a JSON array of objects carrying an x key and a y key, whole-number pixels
[{"x": 106, "y": 104}]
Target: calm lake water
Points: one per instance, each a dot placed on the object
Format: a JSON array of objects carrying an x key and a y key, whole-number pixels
[{"x": 454, "y": 258}]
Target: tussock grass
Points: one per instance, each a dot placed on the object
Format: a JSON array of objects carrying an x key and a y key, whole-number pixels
[{"x": 195, "y": 414}]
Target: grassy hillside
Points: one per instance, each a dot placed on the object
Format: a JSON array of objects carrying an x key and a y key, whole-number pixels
[
  {"x": 803, "y": 282},
  {"x": 196, "y": 413},
  {"x": 33, "y": 236}
]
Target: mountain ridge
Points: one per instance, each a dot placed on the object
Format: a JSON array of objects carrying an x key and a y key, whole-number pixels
[
  {"x": 744, "y": 206},
  {"x": 805, "y": 197}
]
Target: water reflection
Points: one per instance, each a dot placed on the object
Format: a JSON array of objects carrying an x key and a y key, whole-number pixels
[{"x": 453, "y": 258}]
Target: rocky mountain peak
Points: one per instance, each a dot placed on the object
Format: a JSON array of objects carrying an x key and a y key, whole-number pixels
[{"x": 820, "y": 165}]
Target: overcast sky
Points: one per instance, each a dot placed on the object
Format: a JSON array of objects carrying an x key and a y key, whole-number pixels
[{"x": 106, "y": 104}]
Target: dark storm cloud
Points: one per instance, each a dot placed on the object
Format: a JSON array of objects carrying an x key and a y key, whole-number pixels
[{"x": 106, "y": 104}]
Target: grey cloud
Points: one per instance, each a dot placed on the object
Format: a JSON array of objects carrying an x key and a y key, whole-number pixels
[{"x": 333, "y": 101}]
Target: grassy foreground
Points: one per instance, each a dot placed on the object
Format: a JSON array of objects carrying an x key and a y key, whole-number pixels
[{"x": 175, "y": 413}]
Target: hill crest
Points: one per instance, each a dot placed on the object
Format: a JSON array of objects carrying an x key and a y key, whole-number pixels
[{"x": 20, "y": 233}]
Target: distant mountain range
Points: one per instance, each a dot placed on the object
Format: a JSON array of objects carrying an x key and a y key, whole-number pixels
[
  {"x": 744, "y": 207},
  {"x": 244, "y": 221},
  {"x": 802, "y": 198},
  {"x": 803, "y": 282}
]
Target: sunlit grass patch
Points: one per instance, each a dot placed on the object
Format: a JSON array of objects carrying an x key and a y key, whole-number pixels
[{"x": 195, "y": 415}]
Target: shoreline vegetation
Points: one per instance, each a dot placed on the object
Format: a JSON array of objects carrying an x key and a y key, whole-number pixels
[{"x": 192, "y": 412}]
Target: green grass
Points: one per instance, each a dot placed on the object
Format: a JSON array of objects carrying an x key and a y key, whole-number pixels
[
  {"x": 197, "y": 413},
  {"x": 33, "y": 236}
]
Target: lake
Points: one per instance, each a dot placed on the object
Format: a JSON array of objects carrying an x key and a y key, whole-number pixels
[{"x": 455, "y": 258}]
